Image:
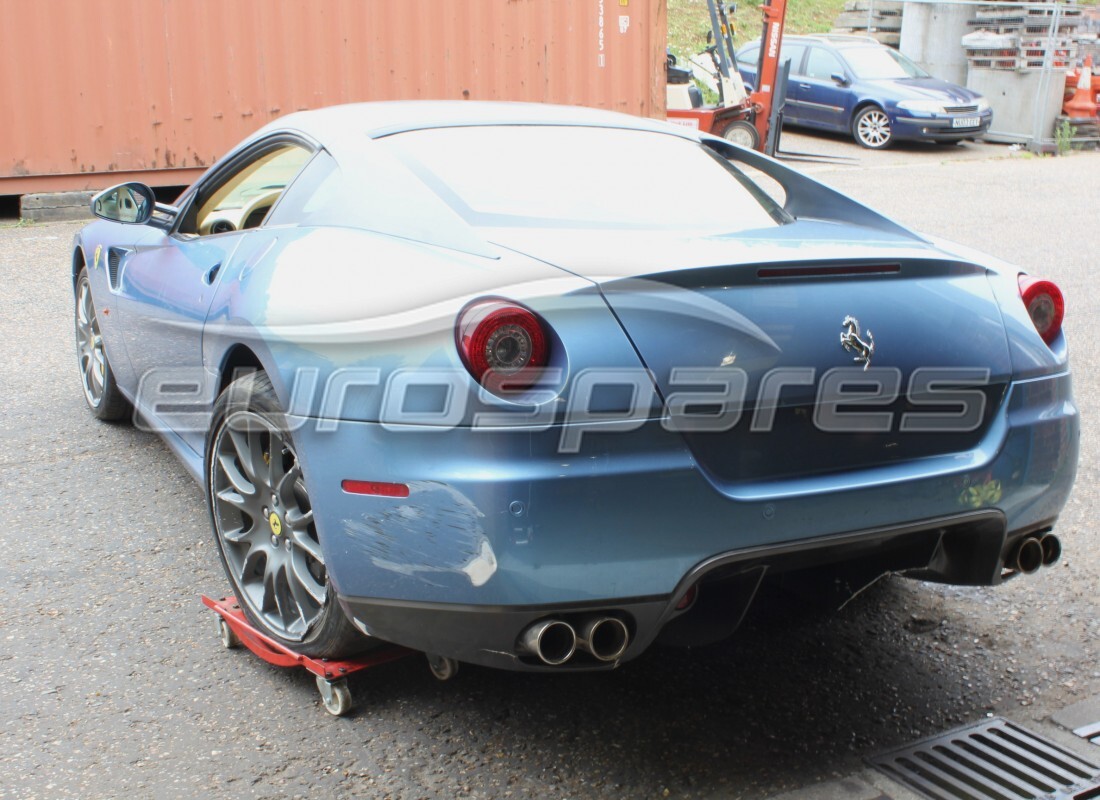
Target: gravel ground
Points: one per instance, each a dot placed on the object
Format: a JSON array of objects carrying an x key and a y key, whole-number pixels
[{"x": 113, "y": 684}]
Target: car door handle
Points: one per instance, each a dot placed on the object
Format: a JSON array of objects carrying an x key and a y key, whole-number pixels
[
  {"x": 803, "y": 86},
  {"x": 212, "y": 273}
]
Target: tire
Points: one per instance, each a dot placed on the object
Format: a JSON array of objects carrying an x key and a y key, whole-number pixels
[
  {"x": 741, "y": 132},
  {"x": 101, "y": 392},
  {"x": 263, "y": 525},
  {"x": 871, "y": 128}
]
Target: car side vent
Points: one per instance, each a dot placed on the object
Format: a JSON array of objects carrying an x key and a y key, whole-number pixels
[{"x": 114, "y": 261}]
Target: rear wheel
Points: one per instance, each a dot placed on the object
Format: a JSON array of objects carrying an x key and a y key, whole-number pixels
[
  {"x": 741, "y": 132},
  {"x": 264, "y": 525},
  {"x": 871, "y": 127},
  {"x": 98, "y": 381}
]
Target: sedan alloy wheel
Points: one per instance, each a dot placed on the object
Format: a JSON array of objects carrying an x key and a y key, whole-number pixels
[{"x": 872, "y": 128}]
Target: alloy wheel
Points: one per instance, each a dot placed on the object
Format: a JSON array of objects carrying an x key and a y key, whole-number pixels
[
  {"x": 873, "y": 128},
  {"x": 265, "y": 525},
  {"x": 89, "y": 347}
]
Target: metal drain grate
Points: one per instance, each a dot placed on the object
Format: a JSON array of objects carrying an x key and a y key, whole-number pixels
[
  {"x": 994, "y": 760},
  {"x": 1090, "y": 732}
]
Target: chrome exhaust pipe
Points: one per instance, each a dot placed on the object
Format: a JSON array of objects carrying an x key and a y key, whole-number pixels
[
  {"x": 605, "y": 638},
  {"x": 1029, "y": 556},
  {"x": 1052, "y": 549},
  {"x": 552, "y": 641}
]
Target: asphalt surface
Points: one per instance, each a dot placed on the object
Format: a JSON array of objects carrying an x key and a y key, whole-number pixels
[{"x": 113, "y": 684}]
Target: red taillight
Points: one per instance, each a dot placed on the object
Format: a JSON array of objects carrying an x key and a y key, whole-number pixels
[
  {"x": 502, "y": 344},
  {"x": 1045, "y": 305},
  {"x": 377, "y": 488}
]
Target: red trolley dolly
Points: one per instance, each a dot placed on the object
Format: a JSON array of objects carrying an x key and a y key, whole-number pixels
[{"x": 234, "y": 630}]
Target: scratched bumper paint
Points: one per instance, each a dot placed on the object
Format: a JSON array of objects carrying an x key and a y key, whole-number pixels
[{"x": 502, "y": 518}]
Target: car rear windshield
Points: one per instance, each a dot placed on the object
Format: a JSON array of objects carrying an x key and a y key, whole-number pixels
[
  {"x": 881, "y": 63},
  {"x": 578, "y": 177}
]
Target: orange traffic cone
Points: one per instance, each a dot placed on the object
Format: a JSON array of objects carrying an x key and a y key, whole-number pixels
[{"x": 1082, "y": 103}]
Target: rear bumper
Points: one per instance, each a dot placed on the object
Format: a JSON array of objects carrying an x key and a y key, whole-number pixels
[
  {"x": 501, "y": 529},
  {"x": 960, "y": 549}
]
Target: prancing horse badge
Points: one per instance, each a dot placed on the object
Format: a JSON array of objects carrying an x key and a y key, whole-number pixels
[{"x": 850, "y": 339}]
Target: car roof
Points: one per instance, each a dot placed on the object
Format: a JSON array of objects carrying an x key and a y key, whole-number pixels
[
  {"x": 843, "y": 40},
  {"x": 350, "y": 132},
  {"x": 380, "y": 119},
  {"x": 838, "y": 40}
]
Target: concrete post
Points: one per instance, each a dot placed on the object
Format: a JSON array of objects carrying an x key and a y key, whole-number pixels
[{"x": 931, "y": 35}]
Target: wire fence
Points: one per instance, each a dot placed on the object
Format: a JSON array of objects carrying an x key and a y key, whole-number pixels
[{"x": 1030, "y": 70}]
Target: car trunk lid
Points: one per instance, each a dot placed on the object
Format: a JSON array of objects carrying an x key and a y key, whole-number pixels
[{"x": 768, "y": 315}]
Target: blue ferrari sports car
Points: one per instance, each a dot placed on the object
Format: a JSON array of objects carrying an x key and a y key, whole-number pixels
[{"x": 458, "y": 376}]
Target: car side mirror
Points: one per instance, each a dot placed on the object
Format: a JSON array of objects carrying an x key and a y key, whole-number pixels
[
  {"x": 129, "y": 203},
  {"x": 133, "y": 204},
  {"x": 839, "y": 79}
]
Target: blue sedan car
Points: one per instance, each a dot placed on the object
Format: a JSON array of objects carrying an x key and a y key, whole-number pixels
[
  {"x": 853, "y": 84},
  {"x": 458, "y": 377}
]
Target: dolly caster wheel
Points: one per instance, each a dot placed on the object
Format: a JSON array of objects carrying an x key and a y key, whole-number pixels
[
  {"x": 229, "y": 638},
  {"x": 442, "y": 667},
  {"x": 335, "y": 696}
]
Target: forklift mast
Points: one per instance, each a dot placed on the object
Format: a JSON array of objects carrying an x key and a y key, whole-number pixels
[
  {"x": 723, "y": 41},
  {"x": 768, "y": 96},
  {"x": 721, "y": 51}
]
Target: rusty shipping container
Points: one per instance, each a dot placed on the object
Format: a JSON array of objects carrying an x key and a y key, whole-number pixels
[{"x": 98, "y": 91}]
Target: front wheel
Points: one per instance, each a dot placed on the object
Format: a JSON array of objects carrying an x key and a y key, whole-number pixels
[
  {"x": 102, "y": 394},
  {"x": 264, "y": 525},
  {"x": 741, "y": 132},
  {"x": 871, "y": 128}
]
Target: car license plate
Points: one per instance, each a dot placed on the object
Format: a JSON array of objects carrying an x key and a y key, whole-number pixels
[{"x": 966, "y": 122}]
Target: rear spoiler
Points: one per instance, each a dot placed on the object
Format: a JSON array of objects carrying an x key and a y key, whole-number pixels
[{"x": 807, "y": 198}]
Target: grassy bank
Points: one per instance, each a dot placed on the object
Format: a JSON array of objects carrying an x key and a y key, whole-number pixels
[{"x": 688, "y": 21}]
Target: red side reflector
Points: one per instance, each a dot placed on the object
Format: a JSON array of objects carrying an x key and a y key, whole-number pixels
[
  {"x": 376, "y": 488},
  {"x": 688, "y": 598}
]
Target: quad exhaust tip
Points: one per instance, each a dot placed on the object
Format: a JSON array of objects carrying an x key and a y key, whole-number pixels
[
  {"x": 1035, "y": 552},
  {"x": 552, "y": 641},
  {"x": 555, "y": 641},
  {"x": 1029, "y": 556},
  {"x": 1052, "y": 549},
  {"x": 605, "y": 638}
]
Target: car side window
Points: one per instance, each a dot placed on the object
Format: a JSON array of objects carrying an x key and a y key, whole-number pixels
[
  {"x": 822, "y": 64},
  {"x": 748, "y": 57},
  {"x": 310, "y": 193},
  {"x": 793, "y": 52},
  {"x": 243, "y": 198}
]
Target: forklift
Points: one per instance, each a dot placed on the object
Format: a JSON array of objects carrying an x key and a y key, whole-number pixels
[
  {"x": 750, "y": 120},
  {"x": 731, "y": 118}
]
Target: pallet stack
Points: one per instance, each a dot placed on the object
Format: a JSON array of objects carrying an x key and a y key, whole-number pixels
[
  {"x": 1088, "y": 35},
  {"x": 988, "y": 50},
  {"x": 879, "y": 19},
  {"x": 1013, "y": 38}
]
